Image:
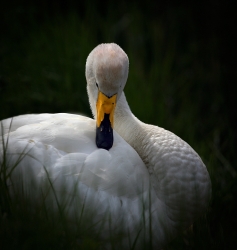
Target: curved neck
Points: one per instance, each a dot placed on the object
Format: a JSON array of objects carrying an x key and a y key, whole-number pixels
[
  {"x": 133, "y": 131},
  {"x": 125, "y": 123}
]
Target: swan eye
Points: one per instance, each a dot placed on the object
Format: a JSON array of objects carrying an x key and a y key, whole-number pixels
[{"x": 96, "y": 85}]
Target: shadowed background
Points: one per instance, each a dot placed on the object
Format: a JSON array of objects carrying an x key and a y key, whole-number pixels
[{"x": 182, "y": 76}]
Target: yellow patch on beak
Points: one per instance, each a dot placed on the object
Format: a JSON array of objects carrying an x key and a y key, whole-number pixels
[{"x": 105, "y": 105}]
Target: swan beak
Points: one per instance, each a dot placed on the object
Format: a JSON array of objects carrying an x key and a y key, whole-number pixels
[{"x": 105, "y": 120}]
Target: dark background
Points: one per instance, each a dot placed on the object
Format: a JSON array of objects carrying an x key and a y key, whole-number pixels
[{"x": 182, "y": 77}]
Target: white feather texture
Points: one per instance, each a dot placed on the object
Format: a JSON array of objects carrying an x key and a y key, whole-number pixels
[{"x": 149, "y": 179}]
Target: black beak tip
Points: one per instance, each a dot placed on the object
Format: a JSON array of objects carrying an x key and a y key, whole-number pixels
[{"x": 104, "y": 134}]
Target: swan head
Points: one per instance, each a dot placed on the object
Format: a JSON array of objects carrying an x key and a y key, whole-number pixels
[{"x": 106, "y": 75}]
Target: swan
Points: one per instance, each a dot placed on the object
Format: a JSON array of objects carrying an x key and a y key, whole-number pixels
[{"x": 138, "y": 179}]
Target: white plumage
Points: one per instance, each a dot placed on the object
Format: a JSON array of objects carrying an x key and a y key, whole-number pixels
[{"x": 162, "y": 187}]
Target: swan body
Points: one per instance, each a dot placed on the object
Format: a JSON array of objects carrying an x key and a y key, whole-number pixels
[{"x": 149, "y": 178}]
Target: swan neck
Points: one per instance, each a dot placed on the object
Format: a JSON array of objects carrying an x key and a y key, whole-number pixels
[{"x": 127, "y": 125}]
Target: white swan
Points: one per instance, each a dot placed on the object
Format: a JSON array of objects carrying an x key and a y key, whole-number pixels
[{"x": 161, "y": 192}]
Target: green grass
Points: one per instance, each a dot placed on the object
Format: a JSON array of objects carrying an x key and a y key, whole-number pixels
[
  {"x": 176, "y": 81},
  {"x": 40, "y": 216},
  {"x": 44, "y": 216}
]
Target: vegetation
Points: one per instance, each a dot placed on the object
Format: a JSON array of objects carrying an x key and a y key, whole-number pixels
[{"x": 179, "y": 79}]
